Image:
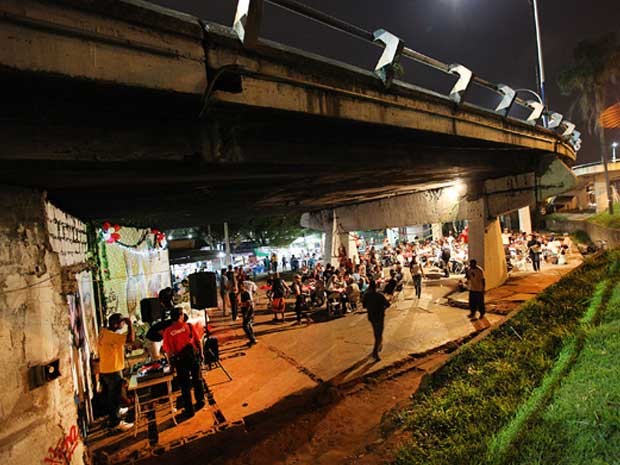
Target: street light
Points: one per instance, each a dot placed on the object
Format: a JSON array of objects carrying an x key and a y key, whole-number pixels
[
  {"x": 540, "y": 63},
  {"x": 614, "y": 146}
]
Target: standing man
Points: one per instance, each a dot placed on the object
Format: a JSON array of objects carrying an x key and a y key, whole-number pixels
[
  {"x": 300, "y": 300},
  {"x": 231, "y": 284},
  {"x": 476, "y": 283},
  {"x": 416, "y": 274},
  {"x": 182, "y": 344},
  {"x": 376, "y": 304},
  {"x": 535, "y": 249},
  {"x": 111, "y": 364},
  {"x": 223, "y": 289},
  {"x": 247, "y": 313}
]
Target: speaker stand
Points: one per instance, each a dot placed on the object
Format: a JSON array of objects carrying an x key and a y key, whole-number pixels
[{"x": 217, "y": 363}]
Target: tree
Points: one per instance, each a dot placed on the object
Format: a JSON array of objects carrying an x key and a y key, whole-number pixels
[
  {"x": 277, "y": 231},
  {"x": 596, "y": 65}
]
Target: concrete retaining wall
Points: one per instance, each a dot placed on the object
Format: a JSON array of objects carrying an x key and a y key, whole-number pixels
[
  {"x": 595, "y": 231},
  {"x": 36, "y": 423}
]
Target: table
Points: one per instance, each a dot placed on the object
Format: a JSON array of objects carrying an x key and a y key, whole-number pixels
[{"x": 135, "y": 385}]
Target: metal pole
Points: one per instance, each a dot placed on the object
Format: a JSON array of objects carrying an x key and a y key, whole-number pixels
[
  {"x": 610, "y": 200},
  {"x": 227, "y": 244},
  {"x": 540, "y": 64}
]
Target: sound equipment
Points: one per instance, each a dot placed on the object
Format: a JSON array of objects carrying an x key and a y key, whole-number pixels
[
  {"x": 203, "y": 290},
  {"x": 151, "y": 310}
]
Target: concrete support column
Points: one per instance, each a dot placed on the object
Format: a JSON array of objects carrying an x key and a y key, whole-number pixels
[
  {"x": 583, "y": 199},
  {"x": 437, "y": 231},
  {"x": 485, "y": 243},
  {"x": 392, "y": 235},
  {"x": 332, "y": 242},
  {"x": 600, "y": 193},
  {"x": 525, "y": 220},
  {"x": 348, "y": 241}
]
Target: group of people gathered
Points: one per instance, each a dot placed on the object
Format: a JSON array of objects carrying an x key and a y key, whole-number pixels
[{"x": 523, "y": 249}]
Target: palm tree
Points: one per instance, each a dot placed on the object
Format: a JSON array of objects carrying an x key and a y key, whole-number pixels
[{"x": 596, "y": 65}]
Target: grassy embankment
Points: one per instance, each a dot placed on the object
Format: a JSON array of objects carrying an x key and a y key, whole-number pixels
[
  {"x": 478, "y": 393},
  {"x": 607, "y": 220},
  {"x": 581, "y": 423}
]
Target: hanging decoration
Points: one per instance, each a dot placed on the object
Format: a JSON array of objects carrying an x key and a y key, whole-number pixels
[
  {"x": 154, "y": 238},
  {"x": 159, "y": 238},
  {"x": 110, "y": 233}
]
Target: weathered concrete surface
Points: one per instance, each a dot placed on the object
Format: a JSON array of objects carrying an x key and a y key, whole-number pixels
[
  {"x": 591, "y": 176},
  {"x": 34, "y": 325},
  {"x": 447, "y": 203},
  {"x": 128, "y": 43},
  {"x": 596, "y": 232},
  {"x": 102, "y": 103}
]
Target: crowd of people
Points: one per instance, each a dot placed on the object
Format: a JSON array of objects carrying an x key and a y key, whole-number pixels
[{"x": 369, "y": 278}]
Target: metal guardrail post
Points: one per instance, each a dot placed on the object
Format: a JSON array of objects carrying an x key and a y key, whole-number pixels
[
  {"x": 390, "y": 58},
  {"x": 247, "y": 26},
  {"x": 248, "y": 18}
]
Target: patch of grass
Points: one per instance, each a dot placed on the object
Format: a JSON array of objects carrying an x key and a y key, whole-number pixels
[
  {"x": 581, "y": 237},
  {"x": 582, "y": 423},
  {"x": 501, "y": 444},
  {"x": 556, "y": 217},
  {"x": 607, "y": 220},
  {"x": 479, "y": 391}
]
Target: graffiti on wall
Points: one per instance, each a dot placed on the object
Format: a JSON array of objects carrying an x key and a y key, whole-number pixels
[{"x": 62, "y": 452}]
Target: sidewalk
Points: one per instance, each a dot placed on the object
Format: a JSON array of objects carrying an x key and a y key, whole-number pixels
[{"x": 292, "y": 360}]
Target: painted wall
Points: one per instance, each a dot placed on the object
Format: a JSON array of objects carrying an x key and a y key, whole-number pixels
[{"x": 40, "y": 423}]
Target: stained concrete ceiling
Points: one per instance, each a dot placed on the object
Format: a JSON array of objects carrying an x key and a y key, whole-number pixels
[{"x": 145, "y": 158}]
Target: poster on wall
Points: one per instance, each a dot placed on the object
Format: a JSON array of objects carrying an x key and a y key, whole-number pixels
[
  {"x": 87, "y": 305},
  {"x": 80, "y": 358}
]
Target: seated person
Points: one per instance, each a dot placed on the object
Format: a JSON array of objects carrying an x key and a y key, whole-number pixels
[
  {"x": 353, "y": 293},
  {"x": 390, "y": 286}
]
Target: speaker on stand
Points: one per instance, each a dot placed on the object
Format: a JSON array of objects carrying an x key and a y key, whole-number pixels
[
  {"x": 203, "y": 295},
  {"x": 151, "y": 310}
]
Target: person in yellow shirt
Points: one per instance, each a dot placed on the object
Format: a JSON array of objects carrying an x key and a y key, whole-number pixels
[{"x": 111, "y": 364}]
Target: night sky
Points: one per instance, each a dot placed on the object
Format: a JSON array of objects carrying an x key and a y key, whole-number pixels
[{"x": 494, "y": 38}]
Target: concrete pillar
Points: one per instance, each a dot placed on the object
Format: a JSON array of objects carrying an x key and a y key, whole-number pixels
[
  {"x": 600, "y": 193},
  {"x": 437, "y": 231},
  {"x": 347, "y": 239},
  {"x": 392, "y": 235},
  {"x": 485, "y": 243},
  {"x": 583, "y": 199},
  {"x": 332, "y": 242},
  {"x": 525, "y": 220}
]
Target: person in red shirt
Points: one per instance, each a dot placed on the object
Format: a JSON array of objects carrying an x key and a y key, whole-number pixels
[{"x": 182, "y": 344}]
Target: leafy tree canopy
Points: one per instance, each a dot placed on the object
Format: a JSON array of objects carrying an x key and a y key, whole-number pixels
[{"x": 277, "y": 231}]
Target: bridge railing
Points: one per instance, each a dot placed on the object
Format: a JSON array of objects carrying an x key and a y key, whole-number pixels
[{"x": 247, "y": 25}]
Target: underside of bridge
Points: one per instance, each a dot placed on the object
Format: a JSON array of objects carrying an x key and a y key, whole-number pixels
[{"x": 146, "y": 158}]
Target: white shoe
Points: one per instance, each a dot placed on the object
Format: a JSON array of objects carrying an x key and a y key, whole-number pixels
[
  {"x": 123, "y": 411},
  {"x": 124, "y": 426}
]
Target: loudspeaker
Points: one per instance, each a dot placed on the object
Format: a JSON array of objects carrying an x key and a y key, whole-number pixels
[
  {"x": 151, "y": 310},
  {"x": 203, "y": 290}
]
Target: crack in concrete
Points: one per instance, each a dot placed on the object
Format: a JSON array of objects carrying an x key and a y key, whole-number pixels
[{"x": 296, "y": 364}]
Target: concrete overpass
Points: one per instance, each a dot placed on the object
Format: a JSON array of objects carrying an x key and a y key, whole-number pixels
[
  {"x": 128, "y": 112},
  {"x": 591, "y": 187}
]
